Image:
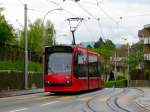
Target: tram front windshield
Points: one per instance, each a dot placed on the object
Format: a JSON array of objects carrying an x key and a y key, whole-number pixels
[{"x": 59, "y": 63}]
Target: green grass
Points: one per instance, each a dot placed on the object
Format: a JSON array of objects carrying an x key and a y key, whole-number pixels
[{"x": 19, "y": 65}]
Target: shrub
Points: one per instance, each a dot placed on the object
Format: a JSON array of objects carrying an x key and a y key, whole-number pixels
[
  {"x": 117, "y": 83},
  {"x": 19, "y": 66},
  {"x": 121, "y": 83},
  {"x": 147, "y": 74},
  {"x": 120, "y": 77},
  {"x": 109, "y": 84},
  {"x": 35, "y": 67}
]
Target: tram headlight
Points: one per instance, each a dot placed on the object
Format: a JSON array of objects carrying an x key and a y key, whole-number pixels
[
  {"x": 68, "y": 82},
  {"x": 46, "y": 82}
]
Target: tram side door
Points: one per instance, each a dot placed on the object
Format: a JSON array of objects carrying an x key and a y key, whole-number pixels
[{"x": 82, "y": 71}]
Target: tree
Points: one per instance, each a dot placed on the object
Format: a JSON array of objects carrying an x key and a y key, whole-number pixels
[
  {"x": 99, "y": 43},
  {"x": 105, "y": 48},
  {"x": 6, "y": 30},
  {"x": 109, "y": 44},
  {"x": 89, "y": 46},
  {"x": 136, "y": 56},
  {"x": 35, "y": 37},
  {"x": 50, "y": 32}
]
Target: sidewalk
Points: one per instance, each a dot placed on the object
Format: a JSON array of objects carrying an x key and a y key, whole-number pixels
[
  {"x": 20, "y": 92},
  {"x": 144, "y": 101}
]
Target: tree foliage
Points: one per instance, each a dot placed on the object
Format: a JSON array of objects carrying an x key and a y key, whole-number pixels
[
  {"x": 6, "y": 30},
  {"x": 109, "y": 44},
  {"x": 89, "y": 46},
  {"x": 49, "y": 34},
  {"x": 105, "y": 48},
  {"x": 35, "y": 35},
  {"x": 99, "y": 43},
  {"x": 136, "y": 56},
  {"x": 106, "y": 53}
]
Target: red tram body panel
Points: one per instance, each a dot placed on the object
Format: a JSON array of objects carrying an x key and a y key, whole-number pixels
[{"x": 71, "y": 69}]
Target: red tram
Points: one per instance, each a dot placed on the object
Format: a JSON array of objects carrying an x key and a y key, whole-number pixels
[{"x": 71, "y": 69}]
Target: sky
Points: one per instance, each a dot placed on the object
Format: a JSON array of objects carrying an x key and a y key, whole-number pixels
[{"x": 117, "y": 20}]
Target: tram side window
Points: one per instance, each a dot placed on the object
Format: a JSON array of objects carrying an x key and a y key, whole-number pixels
[
  {"x": 93, "y": 66},
  {"x": 80, "y": 65},
  {"x": 99, "y": 68}
]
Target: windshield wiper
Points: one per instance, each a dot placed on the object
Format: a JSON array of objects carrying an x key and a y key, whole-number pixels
[{"x": 49, "y": 68}]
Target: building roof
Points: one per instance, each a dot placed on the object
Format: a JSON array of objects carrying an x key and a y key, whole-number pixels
[{"x": 147, "y": 26}]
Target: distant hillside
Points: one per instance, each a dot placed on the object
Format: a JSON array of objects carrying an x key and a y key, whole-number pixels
[
  {"x": 118, "y": 45},
  {"x": 85, "y": 44},
  {"x": 91, "y": 43}
]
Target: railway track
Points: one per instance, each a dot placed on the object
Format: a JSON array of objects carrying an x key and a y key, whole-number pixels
[
  {"x": 113, "y": 101},
  {"x": 141, "y": 108},
  {"x": 95, "y": 97}
]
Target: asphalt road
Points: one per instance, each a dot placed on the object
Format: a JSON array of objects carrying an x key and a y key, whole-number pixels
[{"x": 105, "y": 100}]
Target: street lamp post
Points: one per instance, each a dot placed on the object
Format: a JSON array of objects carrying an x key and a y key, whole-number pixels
[
  {"x": 128, "y": 69},
  {"x": 43, "y": 29},
  {"x": 128, "y": 65}
]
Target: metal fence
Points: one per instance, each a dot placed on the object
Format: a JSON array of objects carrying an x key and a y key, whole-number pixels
[
  {"x": 139, "y": 83},
  {"x": 14, "y": 80},
  {"x": 14, "y": 53}
]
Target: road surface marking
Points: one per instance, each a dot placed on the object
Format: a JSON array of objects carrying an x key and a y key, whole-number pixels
[
  {"x": 103, "y": 99},
  {"x": 25, "y": 97},
  {"x": 85, "y": 98},
  {"x": 46, "y": 97},
  {"x": 18, "y": 97},
  {"x": 65, "y": 97},
  {"x": 45, "y": 104},
  {"x": 19, "y": 110}
]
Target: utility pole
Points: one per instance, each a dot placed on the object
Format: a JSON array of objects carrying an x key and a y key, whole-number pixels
[
  {"x": 73, "y": 28},
  {"x": 25, "y": 47},
  {"x": 128, "y": 65},
  {"x": 115, "y": 74}
]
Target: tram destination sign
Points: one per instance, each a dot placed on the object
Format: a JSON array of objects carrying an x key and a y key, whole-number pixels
[{"x": 59, "y": 49}]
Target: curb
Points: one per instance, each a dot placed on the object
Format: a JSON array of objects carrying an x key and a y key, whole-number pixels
[{"x": 21, "y": 92}]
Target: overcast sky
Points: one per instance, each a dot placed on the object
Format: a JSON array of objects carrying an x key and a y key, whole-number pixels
[{"x": 118, "y": 18}]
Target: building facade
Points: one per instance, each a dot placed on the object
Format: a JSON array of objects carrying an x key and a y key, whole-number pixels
[
  {"x": 117, "y": 61},
  {"x": 144, "y": 35}
]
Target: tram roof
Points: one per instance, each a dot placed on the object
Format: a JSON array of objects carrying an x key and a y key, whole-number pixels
[
  {"x": 64, "y": 45},
  {"x": 72, "y": 46}
]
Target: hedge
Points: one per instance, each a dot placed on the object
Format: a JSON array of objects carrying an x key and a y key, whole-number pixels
[
  {"x": 118, "y": 83},
  {"x": 14, "y": 80},
  {"x": 19, "y": 66}
]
